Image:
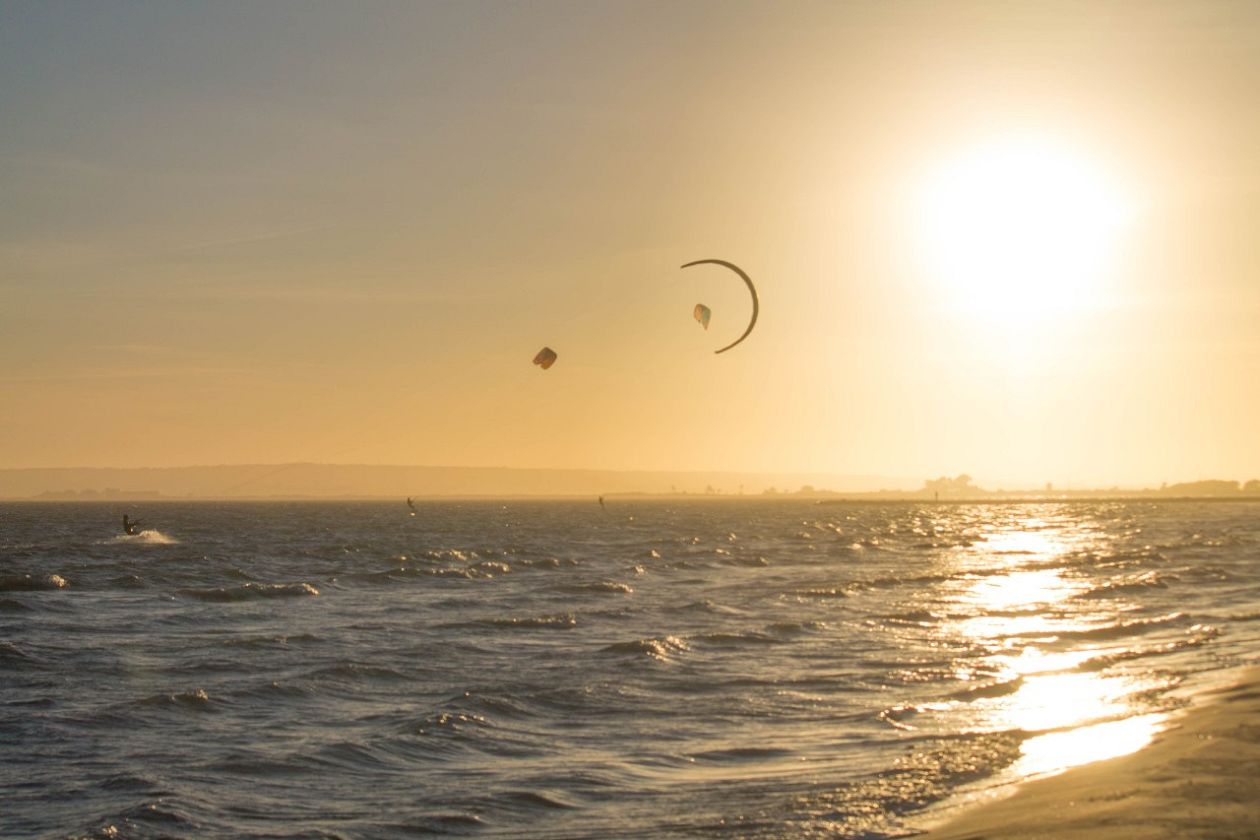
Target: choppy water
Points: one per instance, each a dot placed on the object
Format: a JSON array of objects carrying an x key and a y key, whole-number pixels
[{"x": 546, "y": 669}]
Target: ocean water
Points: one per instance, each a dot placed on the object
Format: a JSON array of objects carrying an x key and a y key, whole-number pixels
[{"x": 716, "y": 668}]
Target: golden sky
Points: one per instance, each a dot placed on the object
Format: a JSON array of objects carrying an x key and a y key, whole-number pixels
[{"x": 1013, "y": 240}]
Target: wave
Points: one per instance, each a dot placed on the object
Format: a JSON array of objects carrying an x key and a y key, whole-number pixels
[
  {"x": 398, "y": 574},
  {"x": 281, "y": 641},
  {"x": 735, "y": 639},
  {"x": 889, "y": 581},
  {"x": 440, "y": 824},
  {"x": 794, "y": 628},
  {"x": 919, "y": 618},
  {"x": 896, "y": 716},
  {"x": 1205, "y": 575},
  {"x": 492, "y": 704},
  {"x": 196, "y": 699},
  {"x": 146, "y": 537},
  {"x": 451, "y": 554},
  {"x": 561, "y": 621},
  {"x": 749, "y": 561},
  {"x": 534, "y": 799},
  {"x": 598, "y": 587},
  {"x": 826, "y": 592},
  {"x": 128, "y": 581},
  {"x": 989, "y": 691},
  {"x": 1138, "y": 583},
  {"x": 448, "y": 723},
  {"x": 355, "y": 671},
  {"x": 402, "y": 574},
  {"x": 872, "y": 806},
  {"x": 707, "y": 605},
  {"x": 131, "y": 783},
  {"x": 1203, "y": 633},
  {"x": 349, "y": 755},
  {"x": 143, "y": 820},
  {"x": 1117, "y": 630},
  {"x": 11, "y": 655},
  {"x": 662, "y": 647},
  {"x": 254, "y": 766},
  {"x": 920, "y": 672},
  {"x": 251, "y": 591},
  {"x": 545, "y": 562},
  {"x": 32, "y": 583},
  {"x": 741, "y": 754},
  {"x": 273, "y": 690}
]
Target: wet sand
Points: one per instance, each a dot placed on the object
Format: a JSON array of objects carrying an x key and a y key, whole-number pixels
[{"x": 1198, "y": 779}]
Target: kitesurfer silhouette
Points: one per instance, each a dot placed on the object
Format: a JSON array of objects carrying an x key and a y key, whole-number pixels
[{"x": 131, "y": 527}]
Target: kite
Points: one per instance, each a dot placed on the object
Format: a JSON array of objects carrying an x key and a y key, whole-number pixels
[
  {"x": 546, "y": 358},
  {"x": 752, "y": 290}
]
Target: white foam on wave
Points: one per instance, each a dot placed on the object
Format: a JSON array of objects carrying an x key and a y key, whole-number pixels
[{"x": 148, "y": 536}]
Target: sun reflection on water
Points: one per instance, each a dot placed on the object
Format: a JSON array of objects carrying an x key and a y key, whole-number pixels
[
  {"x": 1060, "y": 750},
  {"x": 1022, "y": 590},
  {"x": 1018, "y": 604},
  {"x": 1057, "y": 701}
]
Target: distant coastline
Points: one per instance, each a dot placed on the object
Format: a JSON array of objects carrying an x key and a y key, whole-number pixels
[
  {"x": 314, "y": 482},
  {"x": 1016, "y": 499},
  {"x": 366, "y": 481},
  {"x": 960, "y": 490}
]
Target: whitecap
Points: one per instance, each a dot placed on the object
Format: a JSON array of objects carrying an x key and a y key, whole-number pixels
[{"x": 150, "y": 536}]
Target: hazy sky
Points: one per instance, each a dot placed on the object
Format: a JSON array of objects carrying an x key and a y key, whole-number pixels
[{"x": 1018, "y": 241}]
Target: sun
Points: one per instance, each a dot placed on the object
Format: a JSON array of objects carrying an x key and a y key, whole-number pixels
[{"x": 1019, "y": 229}]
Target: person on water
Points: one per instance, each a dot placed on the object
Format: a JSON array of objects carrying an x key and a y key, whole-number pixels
[{"x": 131, "y": 527}]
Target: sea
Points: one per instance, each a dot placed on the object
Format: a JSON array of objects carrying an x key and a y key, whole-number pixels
[{"x": 725, "y": 667}]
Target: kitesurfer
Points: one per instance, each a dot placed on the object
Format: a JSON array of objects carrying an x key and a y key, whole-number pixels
[
  {"x": 411, "y": 505},
  {"x": 131, "y": 527}
]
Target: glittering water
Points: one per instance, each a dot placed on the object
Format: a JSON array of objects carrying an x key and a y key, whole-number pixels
[{"x": 548, "y": 669}]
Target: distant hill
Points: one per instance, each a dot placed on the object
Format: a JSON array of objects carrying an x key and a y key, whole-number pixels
[{"x": 323, "y": 481}]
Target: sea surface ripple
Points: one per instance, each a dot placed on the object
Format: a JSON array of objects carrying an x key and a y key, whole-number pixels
[{"x": 732, "y": 668}]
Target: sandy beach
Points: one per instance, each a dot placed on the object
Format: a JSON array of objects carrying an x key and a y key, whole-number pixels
[{"x": 1200, "y": 778}]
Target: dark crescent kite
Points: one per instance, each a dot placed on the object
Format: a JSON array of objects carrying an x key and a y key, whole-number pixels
[{"x": 751, "y": 290}]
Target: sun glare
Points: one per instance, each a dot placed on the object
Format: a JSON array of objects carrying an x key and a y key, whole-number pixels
[{"x": 1020, "y": 230}]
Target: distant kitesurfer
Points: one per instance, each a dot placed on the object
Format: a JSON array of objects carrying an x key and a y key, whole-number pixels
[
  {"x": 411, "y": 505},
  {"x": 131, "y": 527},
  {"x": 601, "y": 503}
]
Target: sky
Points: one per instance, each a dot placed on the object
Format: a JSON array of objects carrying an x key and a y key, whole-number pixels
[{"x": 1006, "y": 239}]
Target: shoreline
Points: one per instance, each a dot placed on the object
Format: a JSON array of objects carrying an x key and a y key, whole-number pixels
[
  {"x": 821, "y": 501},
  {"x": 1196, "y": 779}
]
